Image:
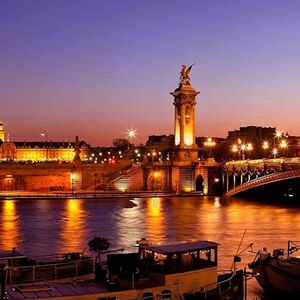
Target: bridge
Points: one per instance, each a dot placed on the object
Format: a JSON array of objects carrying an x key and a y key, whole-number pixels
[{"x": 250, "y": 175}]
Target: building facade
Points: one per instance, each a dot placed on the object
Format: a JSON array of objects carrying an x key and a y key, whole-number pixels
[{"x": 2, "y": 132}]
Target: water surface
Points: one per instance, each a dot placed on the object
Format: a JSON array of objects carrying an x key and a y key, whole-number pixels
[{"x": 38, "y": 227}]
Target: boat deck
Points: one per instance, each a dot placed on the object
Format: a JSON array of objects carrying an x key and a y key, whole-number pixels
[{"x": 55, "y": 290}]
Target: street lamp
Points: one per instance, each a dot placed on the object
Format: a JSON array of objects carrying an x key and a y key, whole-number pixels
[
  {"x": 209, "y": 144},
  {"x": 45, "y": 135},
  {"x": 131, "y": 133},
  {"x": 265, "y": 146},
  {"x": 275, "y": 151},
  {"x": 243, "y": 148},
  {"x": 283, "y": 145},
  {"x": 234, "y": 149},
  {"x": 95, "y": 184},
  {"x": 249, "y": 148},
  {"x": 72, "y": 178},
  {"x": 278, "y": 134}
]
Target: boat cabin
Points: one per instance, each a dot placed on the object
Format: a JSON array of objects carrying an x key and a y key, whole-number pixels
[
  {"x": 191, "y": 265},
  {"x": 179, "y": 258}
]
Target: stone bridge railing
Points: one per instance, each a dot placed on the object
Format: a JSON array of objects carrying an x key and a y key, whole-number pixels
[
  {"x": 275, "y": 177},
  {"x": 238, "y": 165}
]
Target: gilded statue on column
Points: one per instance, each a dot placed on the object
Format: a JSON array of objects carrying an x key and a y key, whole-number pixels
[{"x": 184, "y": 74}]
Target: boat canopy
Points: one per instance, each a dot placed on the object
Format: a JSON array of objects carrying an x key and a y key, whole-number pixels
[{"x": 180, "y": 248}]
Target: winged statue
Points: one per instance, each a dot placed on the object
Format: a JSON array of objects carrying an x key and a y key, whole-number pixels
[{"x": 184, "y": 74}]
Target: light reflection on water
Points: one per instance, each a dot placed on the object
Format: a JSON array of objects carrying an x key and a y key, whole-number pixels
[
  {"x": 9, "y": 225},
  {"x": 58, "y": 226}
]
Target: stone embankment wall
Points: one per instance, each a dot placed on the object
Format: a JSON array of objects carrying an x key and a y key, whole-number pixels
[{"x": 55, "y": 176}]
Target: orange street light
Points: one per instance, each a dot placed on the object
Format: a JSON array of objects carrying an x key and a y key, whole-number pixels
[
  {"x": 209, "y": 144},
  {"x": 131, "y": 133}
]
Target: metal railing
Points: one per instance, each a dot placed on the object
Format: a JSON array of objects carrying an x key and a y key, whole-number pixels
[
  {"x": 274, "y": 177},
  {"x": 49, "y": 272}
]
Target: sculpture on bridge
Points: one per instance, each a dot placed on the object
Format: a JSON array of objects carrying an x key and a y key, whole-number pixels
[{"x": 184, "y": 74}]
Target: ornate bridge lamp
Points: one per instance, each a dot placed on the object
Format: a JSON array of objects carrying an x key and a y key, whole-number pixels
[
  {"x": 243, "y": 148},
  {"x": 283, "y": 145},
  {"x": 234, "y": 150},
  {"x": 265, "y": 146},
  {"x": 249, "y": 149},
  {"x": 209, "y": 144}
]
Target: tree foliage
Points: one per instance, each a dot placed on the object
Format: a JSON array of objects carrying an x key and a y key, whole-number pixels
[
  {"x": 98, "y": 244},
  {"x": 121, "y": 143}
]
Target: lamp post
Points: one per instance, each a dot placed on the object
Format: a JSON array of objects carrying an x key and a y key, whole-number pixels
[
  {"x": 283, "y": 145},
  {"x": 209, "y": 143},
  {"x": 95, "y": 184},
  {"x": 249, "y": 148},
  {"x": 131, "y": 134},
  {"x": 44, "y": 134},
  {"x": 72, "y": 177},
  {"x": 241, "y": 148},
  {"x": 265, "y": 146},
  {"x": 234, "y": 149}
]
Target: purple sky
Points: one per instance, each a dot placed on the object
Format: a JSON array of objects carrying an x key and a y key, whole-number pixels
[{"x": 97, "y": 68}]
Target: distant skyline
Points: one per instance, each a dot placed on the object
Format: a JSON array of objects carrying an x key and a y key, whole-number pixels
[{"x": 98, "y": 68}]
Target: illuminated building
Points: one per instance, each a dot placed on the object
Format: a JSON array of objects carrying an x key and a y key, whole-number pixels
[
  {"x": 42, "y": 151},
  {"x": 2, "y": 132},
  {"x": 38, "y": 151}
]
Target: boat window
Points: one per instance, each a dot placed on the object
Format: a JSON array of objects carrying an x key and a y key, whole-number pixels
[
  {"x": 148, "y": 296},
  {"x": 166, "y": 294}
]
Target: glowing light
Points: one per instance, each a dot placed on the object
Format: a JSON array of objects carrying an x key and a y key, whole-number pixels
[
  {"x": 278, "y": 134},
  {"x": 209, "y": 142},
  {"x": 283, "y": 144},
  {"x": 243, "y": 147},
  {"x": 265, "y": 145},
  {"x": 156, "y": 174},
  {"x": 234, "y": 148},
  {"x": 188, "y": 140},
  {"x": 249, "y": 147},
  {"x": 131, "y": 133}
]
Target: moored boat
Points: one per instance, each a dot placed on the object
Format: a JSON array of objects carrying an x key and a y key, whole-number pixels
[
  {"x": 19, "y": 269},
  {"x": 278, "y": 272},
  {"x": 177, "y": 271}
]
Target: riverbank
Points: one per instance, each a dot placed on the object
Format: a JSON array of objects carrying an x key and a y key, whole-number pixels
[{"x": 92, "y": 195}]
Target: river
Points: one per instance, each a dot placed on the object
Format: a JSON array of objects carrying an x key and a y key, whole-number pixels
[{"x": 38, "y": 227}]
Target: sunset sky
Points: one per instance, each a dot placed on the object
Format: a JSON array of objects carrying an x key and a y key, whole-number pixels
[{"x": 97, "y": 68}]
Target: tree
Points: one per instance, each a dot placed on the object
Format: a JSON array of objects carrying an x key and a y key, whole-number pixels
[
  {"x": 121, "y": 144},
  {"x": 98, "y": 245}
]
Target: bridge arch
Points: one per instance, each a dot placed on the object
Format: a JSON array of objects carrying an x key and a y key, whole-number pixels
[
  {"x": 199, "y": 183},
  {"x": 155, "y": 181},
  {"x": 264, "y": 181}
]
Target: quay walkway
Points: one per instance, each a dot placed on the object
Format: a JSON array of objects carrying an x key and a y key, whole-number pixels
[{"x": 92, "y": 195}]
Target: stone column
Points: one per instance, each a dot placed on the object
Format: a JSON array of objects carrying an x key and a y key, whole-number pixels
[{"x": 182, "y": 126}]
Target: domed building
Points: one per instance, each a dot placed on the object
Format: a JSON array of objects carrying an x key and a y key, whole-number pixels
[
  {"x": 2, "y": 132},
  {"x": 40, "y": 151}
]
